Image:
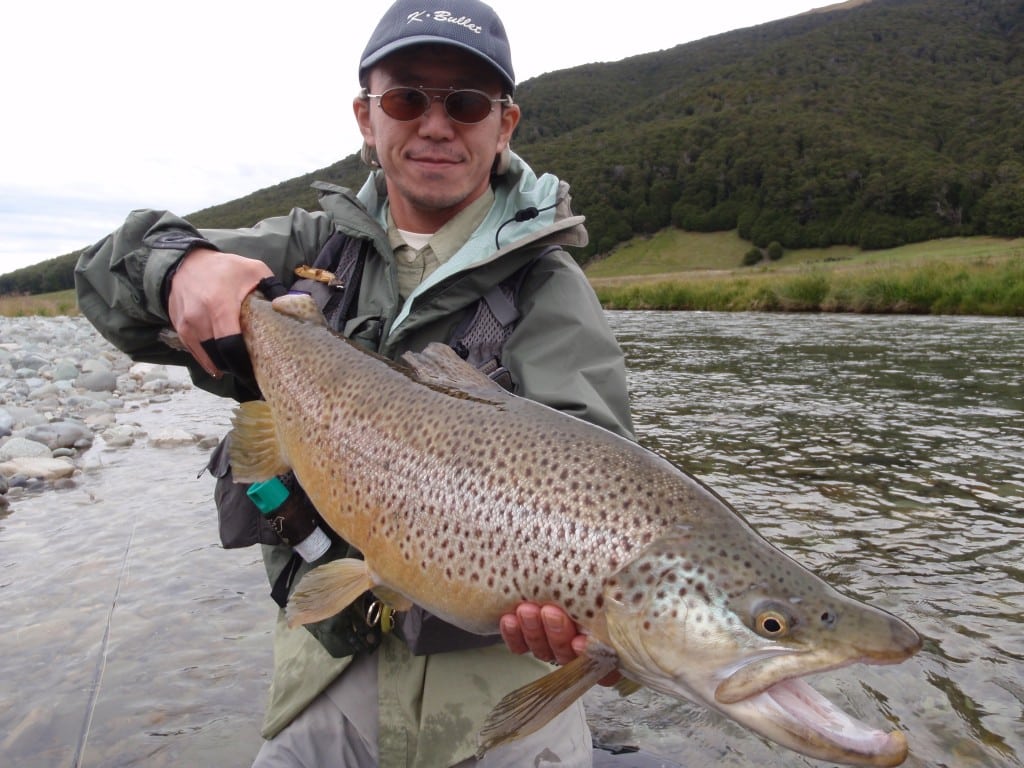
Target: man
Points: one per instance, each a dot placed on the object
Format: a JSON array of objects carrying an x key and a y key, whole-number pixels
[{"x": 451, "y": 222}]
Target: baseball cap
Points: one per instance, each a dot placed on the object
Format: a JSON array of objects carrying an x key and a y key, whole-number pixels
[{"x": 468, "y": 24}]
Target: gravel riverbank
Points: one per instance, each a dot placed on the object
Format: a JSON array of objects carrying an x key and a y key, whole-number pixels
[{"x": 62, "y": 387}]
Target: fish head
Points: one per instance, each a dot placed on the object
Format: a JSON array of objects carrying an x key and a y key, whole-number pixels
[{"x": 737, "y": 626}]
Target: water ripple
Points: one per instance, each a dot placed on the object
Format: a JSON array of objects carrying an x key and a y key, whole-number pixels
[{"x": 886, "y": 453}]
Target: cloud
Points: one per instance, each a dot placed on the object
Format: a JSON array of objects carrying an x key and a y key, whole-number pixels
[
  {"x": 113, "y": 105},
  {"x": 39, "y": 227}
]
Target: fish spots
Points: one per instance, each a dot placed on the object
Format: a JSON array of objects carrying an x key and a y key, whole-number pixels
[{"x": 511, "y": 498}]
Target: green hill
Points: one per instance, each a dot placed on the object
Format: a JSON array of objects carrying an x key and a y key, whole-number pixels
[{"x": 890, "y": 122}]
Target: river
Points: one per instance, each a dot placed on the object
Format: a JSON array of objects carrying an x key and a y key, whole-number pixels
[{"x": 886, "y": 453}]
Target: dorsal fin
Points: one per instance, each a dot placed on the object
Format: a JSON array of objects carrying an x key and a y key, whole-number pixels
[{"x": 440, "y": 366}]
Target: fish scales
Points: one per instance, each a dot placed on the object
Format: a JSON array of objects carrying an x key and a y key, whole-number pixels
[
  {"x": 468, "y": 500},
  {"x": 455, "y": 491}
]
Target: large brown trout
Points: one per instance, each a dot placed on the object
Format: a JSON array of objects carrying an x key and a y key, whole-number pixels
[{"x": 467, "y": 500}]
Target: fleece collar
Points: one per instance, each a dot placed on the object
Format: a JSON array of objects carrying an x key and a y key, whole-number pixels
[{"x": 519, "y": 189}]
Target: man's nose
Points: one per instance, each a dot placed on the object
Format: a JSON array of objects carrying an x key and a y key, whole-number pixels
[{"x": 435, "y": 119}]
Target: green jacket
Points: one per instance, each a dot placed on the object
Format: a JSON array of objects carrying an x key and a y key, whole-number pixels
[{"x": 561, "y": 353}]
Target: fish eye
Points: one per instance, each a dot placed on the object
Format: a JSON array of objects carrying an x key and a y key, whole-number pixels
[{"x": 772, "y": 623}]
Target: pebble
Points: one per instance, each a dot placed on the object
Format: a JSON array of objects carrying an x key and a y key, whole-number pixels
[
  {"x": 62, "y": 386},
  {"x": 97, "y": 381},
  {"x": 37, "y": 468},
  {"x": 21, "y": 448},
  {"x": 172, "y": 437}
]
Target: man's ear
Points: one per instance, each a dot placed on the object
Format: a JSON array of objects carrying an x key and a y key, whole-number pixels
[
  {"x": 509, "y": 120},
  {"x": 361, "y": 108}
]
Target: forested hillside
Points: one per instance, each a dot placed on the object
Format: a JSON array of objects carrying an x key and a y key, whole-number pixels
[{"x": 891, "y": 122}]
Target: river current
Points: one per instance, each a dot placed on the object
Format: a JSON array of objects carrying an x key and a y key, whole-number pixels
[{"x": 885, "y": 453}]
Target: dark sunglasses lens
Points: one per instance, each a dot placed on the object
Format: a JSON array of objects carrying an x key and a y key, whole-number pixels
[
  {"x": 404, "y": 103},
  {"x": 467, "y": 106}
]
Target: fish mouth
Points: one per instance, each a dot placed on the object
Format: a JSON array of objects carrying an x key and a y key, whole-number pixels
[
  {"x": 777, "y": 664},
  {"x": 816, "y": 727},
  {"x": 769, "y": 696}
]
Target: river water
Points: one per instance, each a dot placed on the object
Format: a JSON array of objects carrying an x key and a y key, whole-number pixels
[{"x": 886, "y": 453}]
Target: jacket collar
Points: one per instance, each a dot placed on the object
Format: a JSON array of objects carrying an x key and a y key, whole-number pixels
[{"x": 517, "y": 190}]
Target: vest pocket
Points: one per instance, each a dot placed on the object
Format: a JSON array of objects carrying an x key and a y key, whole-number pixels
[
  {"x": 240, "y": 523},
  {"x": 365, "y": 330}
]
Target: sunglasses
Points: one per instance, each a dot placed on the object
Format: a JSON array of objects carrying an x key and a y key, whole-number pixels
[{"x": 465, "y": 106}]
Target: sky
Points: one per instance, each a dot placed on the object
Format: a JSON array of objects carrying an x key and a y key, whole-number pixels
[{"x": 110, "y": 105}]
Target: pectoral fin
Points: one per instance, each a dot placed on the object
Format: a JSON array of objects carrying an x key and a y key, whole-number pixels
[
  {"x": 533, "y": 706},
  {"x": 255, "y": 452},
  {"x": 328, "y": 590}
]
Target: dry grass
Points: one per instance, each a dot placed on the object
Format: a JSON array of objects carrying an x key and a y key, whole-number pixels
[
  {"x": 43, "y": 305},
  {"x": 685, "y": 270}
]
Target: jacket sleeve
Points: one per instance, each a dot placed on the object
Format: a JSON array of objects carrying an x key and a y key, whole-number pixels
[
  {"x": 120, "y": 280},
  {"x": 563, "y": 353}
]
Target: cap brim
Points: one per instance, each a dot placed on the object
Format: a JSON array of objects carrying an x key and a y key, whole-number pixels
[{"x": 377, "y": 56}]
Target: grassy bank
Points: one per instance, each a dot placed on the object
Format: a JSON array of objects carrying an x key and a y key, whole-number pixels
[
  {"x": 692, "y": 271},
  {"x": 44, "y": 304},
  {"x": 977, "y": 276}
]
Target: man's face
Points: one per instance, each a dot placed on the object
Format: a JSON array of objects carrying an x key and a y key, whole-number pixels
[{"x": 434, "y": 166}]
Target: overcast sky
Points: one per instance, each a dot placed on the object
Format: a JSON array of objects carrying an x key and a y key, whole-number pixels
[{"x": 110, "y": 105}]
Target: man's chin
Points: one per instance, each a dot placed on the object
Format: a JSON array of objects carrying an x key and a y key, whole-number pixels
[{"x": 434, "y": 194}]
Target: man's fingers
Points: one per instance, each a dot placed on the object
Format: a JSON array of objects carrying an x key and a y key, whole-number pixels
[
  {"x": 197, "y": 350},
  {"x": 559, "y": 632},
  {"x": 534, "y": 632},
  {"x": 271, "y": 287},
  {"x": 523, "y": 632},
  {"x": 228, "y": 353},
  {"x": 512, "y": 634},
  {"x": 548, "y": 633},
  {"x": 205, "y": 295}
]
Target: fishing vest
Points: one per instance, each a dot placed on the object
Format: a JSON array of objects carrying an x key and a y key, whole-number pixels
[{"x": 478, "y": 338}]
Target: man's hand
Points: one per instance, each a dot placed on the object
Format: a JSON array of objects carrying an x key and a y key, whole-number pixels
[
  {"x": 206, "y": 298},
  {"x": 548, "y": 633}
]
